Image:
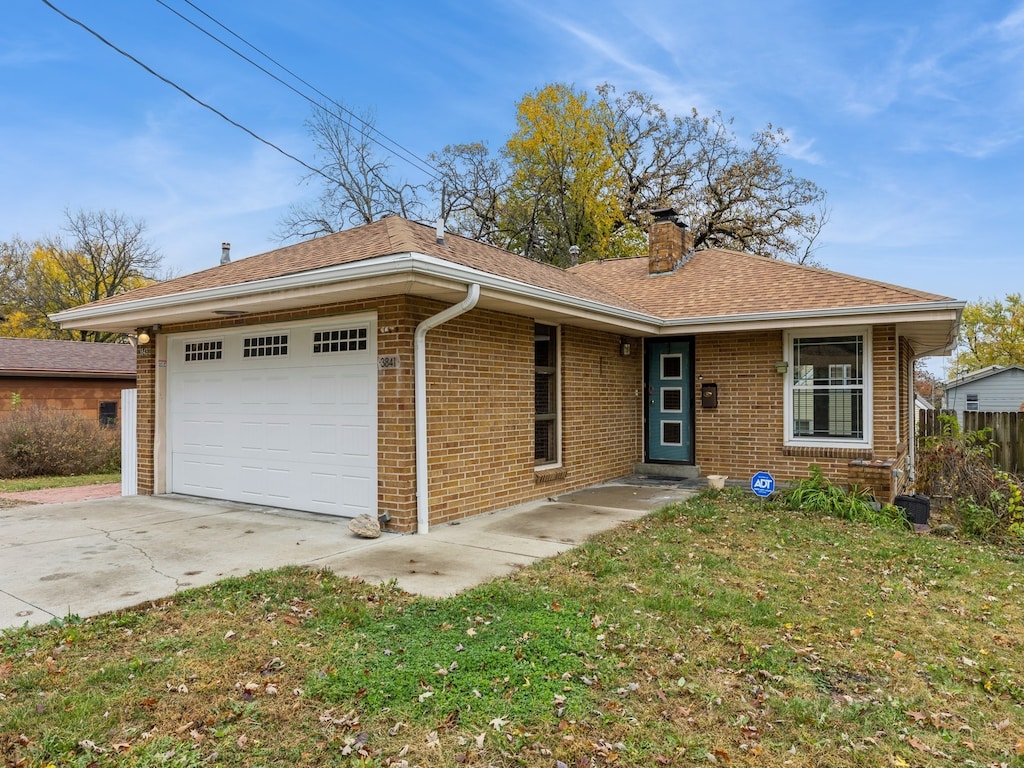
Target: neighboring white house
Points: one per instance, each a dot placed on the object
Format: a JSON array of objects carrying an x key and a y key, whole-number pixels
[{"x": 997, "y": 388}]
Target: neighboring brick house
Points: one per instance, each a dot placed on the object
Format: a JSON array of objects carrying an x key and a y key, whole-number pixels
[
  {"x": 76, "y": 376},
  {"x": 393, "y": 369}
]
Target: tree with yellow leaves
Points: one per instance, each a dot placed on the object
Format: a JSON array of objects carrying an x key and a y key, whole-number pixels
[
  {"x": 100, "y": 254},
  {"x": 991, "y": 333},
  {"x": 563, "y": 190}
]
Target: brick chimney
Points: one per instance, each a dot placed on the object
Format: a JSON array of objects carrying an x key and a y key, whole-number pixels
[{"x": 668, "y": 242}]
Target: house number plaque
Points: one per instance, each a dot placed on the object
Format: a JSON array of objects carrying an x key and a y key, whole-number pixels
[{"x": 387, "y": 362}]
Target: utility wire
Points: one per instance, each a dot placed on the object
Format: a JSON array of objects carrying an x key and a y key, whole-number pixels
[
  {"x": 189, "y": 95},
  {"x": 402, "y": 152}
]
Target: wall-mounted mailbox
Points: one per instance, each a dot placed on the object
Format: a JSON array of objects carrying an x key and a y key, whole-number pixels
[{"x": 709, "y": 395}]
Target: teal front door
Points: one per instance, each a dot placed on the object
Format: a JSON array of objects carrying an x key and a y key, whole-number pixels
[{"x": 669, "y": 401}]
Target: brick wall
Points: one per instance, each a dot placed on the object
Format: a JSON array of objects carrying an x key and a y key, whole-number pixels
[
  {"x": 480, "y": 413},
  {"x": 145, "y": 415},
  {"x": 745, "y": 433},
  {"x": 82, "y": 396},
  {"x": 479, "y": 405}
]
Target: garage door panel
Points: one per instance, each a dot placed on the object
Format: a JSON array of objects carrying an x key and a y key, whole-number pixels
[
  {"x": 204, "y": 476},
  {"x": 355, "y": 389},
  {"x": 356, "y": 441},
  {"x": 324, "y": 390},
  {"x": 359, "y": 495},
  {"x": 296, "y": 431},
  {"x": 324, "y": 442}
]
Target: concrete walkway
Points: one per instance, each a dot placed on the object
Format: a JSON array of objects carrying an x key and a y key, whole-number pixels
[{"x": 89, "y": 557}]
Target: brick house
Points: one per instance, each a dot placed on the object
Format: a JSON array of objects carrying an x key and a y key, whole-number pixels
[
  {"x": 397, "y": 370},
  {"x": 76, "y": 376}
]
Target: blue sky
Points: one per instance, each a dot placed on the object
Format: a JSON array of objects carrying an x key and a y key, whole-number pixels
[{"x": 910, "y": 114}]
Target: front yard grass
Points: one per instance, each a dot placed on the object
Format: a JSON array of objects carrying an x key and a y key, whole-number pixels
[
  {"x": 716, "y": 632},
  {"x": 21, "y": 484}
]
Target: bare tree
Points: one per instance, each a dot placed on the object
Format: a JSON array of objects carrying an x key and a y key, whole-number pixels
[
  {"x": 99, "y": 254},
  {"x": 358, "y": 184},
  {"x": 577, "y": 171}
]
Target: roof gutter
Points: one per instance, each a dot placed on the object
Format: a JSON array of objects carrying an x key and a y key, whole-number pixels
[
  {"x": 420, "y": 371},
  {"x": 140, "y": 311},
  {"x": 815, "y": 315}
]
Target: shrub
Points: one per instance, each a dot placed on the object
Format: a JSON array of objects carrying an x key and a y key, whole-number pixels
[
  {"x": 984, "y": 501},
  {"x": 38, "y": 441},
  {"x": 820, "y": 495}
]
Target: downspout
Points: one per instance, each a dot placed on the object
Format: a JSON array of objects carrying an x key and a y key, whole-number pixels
[
  {"x": 912, "y": 431},
  {"x": 420, "y": 366}
]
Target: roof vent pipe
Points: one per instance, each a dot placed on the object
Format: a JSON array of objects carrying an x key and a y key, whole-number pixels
[
  {"x": 440, "y": 230},
  {"x": 225, "y": 253},
  {"x": 420, "y": 381}
]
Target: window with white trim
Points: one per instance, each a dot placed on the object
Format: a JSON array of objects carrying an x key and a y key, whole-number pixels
[
  {"x": 545, "y": 394},
  {"x": 973, "y": 403},
  {"x": 828, "y": 388},
  {"x": 199, "y": 351},
  {"x": 339, "y": 340},
  {"x": 272, "y": 345}
]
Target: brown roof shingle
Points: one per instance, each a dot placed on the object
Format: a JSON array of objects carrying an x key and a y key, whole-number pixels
[
  {"x": 717, "y": 283},
  {"x": 51, "y": 357},
  {"x": 711, "y": 283},
  {"x": 386, "y": 237}
]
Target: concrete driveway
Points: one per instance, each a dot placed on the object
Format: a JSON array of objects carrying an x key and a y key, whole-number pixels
[{"x": 89, "y": 557}]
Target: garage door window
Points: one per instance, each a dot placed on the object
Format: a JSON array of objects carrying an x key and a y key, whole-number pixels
[
  {"x": 265, "y": 346},
  {"x": 197, "y": 351},
  {"x": 339, "y": 340}
]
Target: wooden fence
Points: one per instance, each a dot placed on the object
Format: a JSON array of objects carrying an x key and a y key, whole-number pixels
[{"x": 1007, "y": 433}]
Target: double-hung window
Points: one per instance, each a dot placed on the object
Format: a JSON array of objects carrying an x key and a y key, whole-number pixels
[{"x": 828, "y": 400}]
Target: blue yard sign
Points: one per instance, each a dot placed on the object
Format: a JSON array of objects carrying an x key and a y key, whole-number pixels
[{"x": 762, "y": 484}]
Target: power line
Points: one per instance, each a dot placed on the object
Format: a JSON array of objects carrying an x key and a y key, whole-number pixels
[
  {"x": 403, "y": 152},
  {"x": 189, "y": 95},
  {"x": 368, "y": 130}
]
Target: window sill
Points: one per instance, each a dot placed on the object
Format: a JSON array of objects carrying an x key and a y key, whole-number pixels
[
  {"x": 549, "y": 475},
  {"x": 838, "y": 451}
]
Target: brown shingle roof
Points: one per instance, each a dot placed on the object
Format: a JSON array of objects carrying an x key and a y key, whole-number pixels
[
  {"x": 712, "y": 283},
  {"x": 49, "y": 357},
  {"x": 386, "y": 237},
  {"x": 716, "y": 283}
]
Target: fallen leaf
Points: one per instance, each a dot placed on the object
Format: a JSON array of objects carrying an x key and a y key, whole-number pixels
[
  {"x": 498, "y": 723},
  {"x": 1019, "y": 749},
  {"x": 919, "y": 745}
]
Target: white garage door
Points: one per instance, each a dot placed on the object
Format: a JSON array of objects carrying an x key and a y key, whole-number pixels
[{"x": 282, "y": 415}]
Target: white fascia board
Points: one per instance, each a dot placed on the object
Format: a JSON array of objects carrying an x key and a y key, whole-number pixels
[
  {"x": 321, "y": 280},
  {"x": 413, "y": 265},
  {"x": 876, "y": 315}
]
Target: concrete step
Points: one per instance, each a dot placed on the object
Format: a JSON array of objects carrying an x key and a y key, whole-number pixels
[{"x": 674, "y": 471}]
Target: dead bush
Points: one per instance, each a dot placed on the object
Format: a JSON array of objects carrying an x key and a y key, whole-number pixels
[
  {"x": 983, "y": 501},
  {"x": 39, "y": 441}
]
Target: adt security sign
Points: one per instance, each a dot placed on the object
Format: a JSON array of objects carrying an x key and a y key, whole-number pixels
[{"x": 762, "y": 484}]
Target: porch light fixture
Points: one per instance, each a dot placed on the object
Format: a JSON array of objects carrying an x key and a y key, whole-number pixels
[
  {"x": 144, "y": 336},
  {"x": 625, "y": 346},
  {"x": 781, "y": 366}
]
